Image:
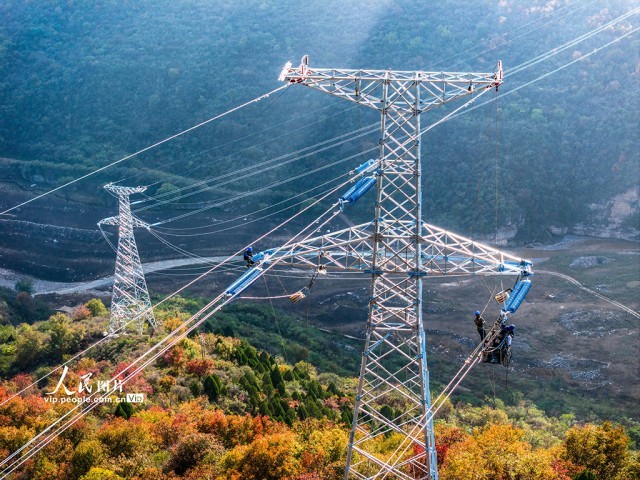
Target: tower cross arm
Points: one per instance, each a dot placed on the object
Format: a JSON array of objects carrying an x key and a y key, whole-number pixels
[
  {"x": 366, "y": 86},
  {"x": 442, "y": 253},
  {"x": 445, "y": 252},
  {"x": 110, "y": 221},
  {"x": 118, "y": 190},
  {"x": 135, "y": 222}
]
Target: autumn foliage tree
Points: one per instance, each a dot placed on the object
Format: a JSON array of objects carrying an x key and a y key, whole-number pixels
[
  {"x": 601, "y": 449},
  {"x": 191, "y": 450},
  {"x": 496, "y": 451},
  {"x": 96, "y": 307}
]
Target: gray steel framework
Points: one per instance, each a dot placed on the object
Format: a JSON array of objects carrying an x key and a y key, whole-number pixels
[
  {"x": 130, "y": 297},
  {"x": 397, "y": 249}
]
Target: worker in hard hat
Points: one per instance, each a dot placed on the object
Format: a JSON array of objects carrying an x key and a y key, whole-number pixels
[
  {"x": 480, "y": 325},
  {"x": 248, "y": 257}
]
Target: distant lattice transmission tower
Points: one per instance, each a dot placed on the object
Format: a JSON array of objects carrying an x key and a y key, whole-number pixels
[{"x": 130, "y": 298}]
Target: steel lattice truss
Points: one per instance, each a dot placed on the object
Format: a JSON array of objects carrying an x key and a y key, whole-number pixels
[
  {"x": 397, "y": 250},
  {"x": 396, "y": 342},
  {"x": 412, "y": 92},
  {"x": 443, "y": 253},
  {"x": 130, "y": 297}
]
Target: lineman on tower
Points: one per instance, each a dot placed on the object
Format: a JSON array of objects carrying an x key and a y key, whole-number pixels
[
  {"x": 248, "y": 257},
  {"x": 480, "y": 324}
]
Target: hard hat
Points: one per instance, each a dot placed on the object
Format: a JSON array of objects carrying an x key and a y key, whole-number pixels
[
  {"x": 250, "y": 249},
  {"x": 477, "y": 312}
]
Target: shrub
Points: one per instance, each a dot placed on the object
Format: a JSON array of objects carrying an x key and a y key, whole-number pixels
[
  {"x": 191, "y": 450},
  {"x": 87, "y": 455},
  {"x": 96, "y": 307},
  {"x": 24, "y": 285},
  {"x": 200, "y": 368},
  {"x": 80, "y": 313}
]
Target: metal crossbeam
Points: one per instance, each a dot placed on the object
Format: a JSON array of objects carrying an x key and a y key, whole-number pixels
[
  {"x": 130, "y": 297},
  {"x": 443, "y": 253},
  {"x": 380, "y": 89},
  {"x": 397, "y": 250}
]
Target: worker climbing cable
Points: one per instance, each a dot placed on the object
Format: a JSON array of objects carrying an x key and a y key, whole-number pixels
[{"x": 480, "y": 325}]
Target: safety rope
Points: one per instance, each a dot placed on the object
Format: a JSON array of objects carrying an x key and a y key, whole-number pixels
[
  {"x": 492, "y": 383},
  {"x": 275, "y": 319},
  {"x": 489, "y": 301},
  {"x": 497, "y": 173}
]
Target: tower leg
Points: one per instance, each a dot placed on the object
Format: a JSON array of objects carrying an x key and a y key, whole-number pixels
[{"x": 393, "y": 396}]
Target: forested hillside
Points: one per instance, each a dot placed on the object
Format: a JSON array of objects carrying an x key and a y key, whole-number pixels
[
  {"x": 217, "y": 407},
  {"x": 84, "y": 84}
]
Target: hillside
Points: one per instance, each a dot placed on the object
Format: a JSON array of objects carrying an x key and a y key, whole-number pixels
[
  {"x": 573, "y": 366},
  {"x": 85, "y": 85},
  {"x": 215, "y": 407}
]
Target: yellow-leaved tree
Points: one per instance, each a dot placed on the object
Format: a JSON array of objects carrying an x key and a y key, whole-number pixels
[{"x": 600, "y": 449}]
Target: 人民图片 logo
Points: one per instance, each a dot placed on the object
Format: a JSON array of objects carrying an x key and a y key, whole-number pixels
[{"x": 96, "y": 391}]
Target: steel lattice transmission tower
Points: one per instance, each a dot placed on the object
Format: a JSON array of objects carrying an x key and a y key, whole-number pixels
[
  {"x": 130, "y": 298},
  {"x": 397, "y": 250}
]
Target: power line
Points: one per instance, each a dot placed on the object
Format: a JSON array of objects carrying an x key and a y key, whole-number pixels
[
  {"x": 176, "y": 292},
  {"x": 243, "y": 217},
  {"x": 202, "y": 276},
  {"x": 573, "y": 42},
  {"x": 506, "y": 42},
  {"x": 517, "y": 69},
  {"x": 198, "y": 318},
  {"x": 255, "y": 100},
  {"x": 277, "y": 162},
  {"x": 630, "y": 311},
  {"x": 166, "y": 230},
  {"x": 181, "y": 175},
  {"x": 261, "y": 189},
  {"x": 562, "y": 67},
  {"x": 510, "y": 32}
]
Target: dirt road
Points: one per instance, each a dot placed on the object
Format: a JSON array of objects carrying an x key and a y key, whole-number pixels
[{"x": 8, "y": 278}]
